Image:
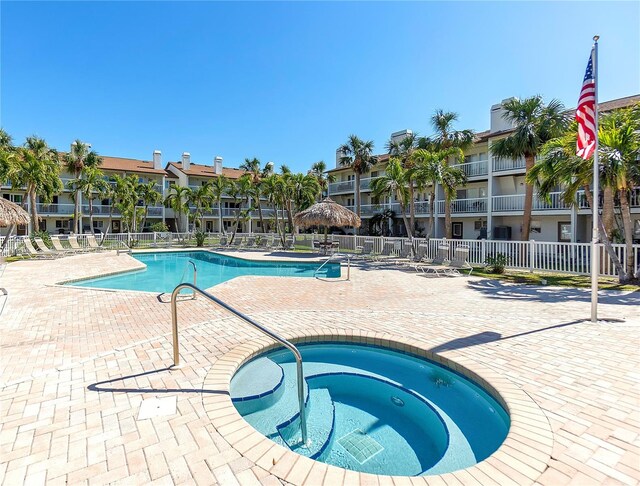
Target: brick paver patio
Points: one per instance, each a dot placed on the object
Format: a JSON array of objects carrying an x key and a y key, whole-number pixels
[{"x": 77, "y": 364}]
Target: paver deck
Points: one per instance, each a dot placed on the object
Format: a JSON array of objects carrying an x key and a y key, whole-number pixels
[{"x": 77, "y": 363}]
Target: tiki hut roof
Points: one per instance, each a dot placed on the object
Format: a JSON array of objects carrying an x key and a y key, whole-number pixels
[
  {"x": 11, "y": 213},
  {"x": 327, "y": 213}
]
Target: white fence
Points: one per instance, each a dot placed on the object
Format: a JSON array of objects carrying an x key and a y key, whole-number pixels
[{"x": 525, "y": 255}]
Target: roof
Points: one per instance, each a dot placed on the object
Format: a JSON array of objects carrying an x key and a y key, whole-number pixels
[
  {"x": 129, "y": 165},
  {"x": 619, "y": 103},
  {"x": 200, "y": 170}
]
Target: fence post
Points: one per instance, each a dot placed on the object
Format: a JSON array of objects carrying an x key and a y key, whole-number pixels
[
  {"x": 483, "y": 244},
  {"x": 532, "y": 259}
]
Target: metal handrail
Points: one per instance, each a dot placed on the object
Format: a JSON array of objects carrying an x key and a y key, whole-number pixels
[
  {"x": 126, "y": 250},
  {"x": 315, "y": 274},
  {"x": 248, "y": 320}
]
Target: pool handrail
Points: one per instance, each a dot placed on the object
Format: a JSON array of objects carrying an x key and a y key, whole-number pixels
[
  {"x": 315, "y": 274},
  {"x": 254, "y": 324}
]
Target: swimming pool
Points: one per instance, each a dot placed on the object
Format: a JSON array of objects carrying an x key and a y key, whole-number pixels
[
  {"x": 165, "y": 270},
  {"x": 371, "y": 409}
]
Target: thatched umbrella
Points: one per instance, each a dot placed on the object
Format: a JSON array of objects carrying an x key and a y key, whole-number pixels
[
  {"x": 327, "y": 213},
  {"x": 11, "y": 213}
]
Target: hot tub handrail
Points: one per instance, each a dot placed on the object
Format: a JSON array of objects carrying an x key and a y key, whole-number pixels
[{"x": 248, "y": 320}]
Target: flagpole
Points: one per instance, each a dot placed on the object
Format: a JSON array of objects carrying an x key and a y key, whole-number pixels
[{"x": 595, "y": 256}]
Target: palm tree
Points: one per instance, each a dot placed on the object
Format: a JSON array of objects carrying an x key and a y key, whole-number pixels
[
  {"x": 108, "y": 191},
  {"x": 35, "y": 166},
  {"x": 201, "y": 198},
  {"x": 252, "y": 167},
  {"x": 357, "y": 154},
  {"x": 126, "y": 199},
  {"x": 447, "y": 137},
  {"x": 79, "y": 157},
  {"x": 272, "y": 189},
  {"x": 619, "y": 149},
  {"x": 240, "y": 191},
  {"x": 394, "y": 182},
  {"x": 430, "y": 169},
  {"x": 318, "y": 170},
  {"x": 176, "y": 200},
  {"x": 149, "y": 197},
  {"x": 90, "y": 184},
  {"x": 534, "y": 124},
  {"x": 403, "y": 150},
  {"x": 219, "y": 187}
]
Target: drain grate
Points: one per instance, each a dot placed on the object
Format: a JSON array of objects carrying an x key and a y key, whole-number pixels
[{"x": 360, "y": 446}]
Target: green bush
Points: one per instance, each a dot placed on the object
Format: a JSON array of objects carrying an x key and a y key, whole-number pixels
[
  {"x": 46, "y": 237},
  {"x": 200, "y": 237},
  {"x": 496, "y": 263},
  {"x": 159, "y": 227}
]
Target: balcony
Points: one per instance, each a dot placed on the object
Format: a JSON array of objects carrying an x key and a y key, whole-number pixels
[
  {"x": 501, "y": 165},
  {"x": 515, "y": 202},
  {"x": 462, "y": 206},
  {"x": 341, "y": 187},
  {"x": 634, "y": 199},
  {"x": 55, "y": 209},
  {"x": 478, "y": 168}
]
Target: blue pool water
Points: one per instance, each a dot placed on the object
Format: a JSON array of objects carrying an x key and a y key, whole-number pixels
[
  {"x": 165, "y": 270},
  {"x": 371, "y": 409}
]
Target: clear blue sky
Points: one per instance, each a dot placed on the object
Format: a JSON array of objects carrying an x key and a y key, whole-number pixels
[{"x": 288, "y": 82}]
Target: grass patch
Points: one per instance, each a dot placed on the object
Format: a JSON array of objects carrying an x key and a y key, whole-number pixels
[{"x": 554, "y": 279}]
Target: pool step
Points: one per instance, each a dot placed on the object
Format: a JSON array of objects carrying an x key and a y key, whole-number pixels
[
  {"x": 320, "y": 425},
  {"x": 263, "y": 389},
  {"x": 267, "y": 414}
]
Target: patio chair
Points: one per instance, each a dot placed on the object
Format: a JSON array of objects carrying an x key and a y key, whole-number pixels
[
  {"x": 366, "y": 250},
  {"x": 236, "y": 243},
  {"x": 73, "y": 243},
  {"x": 403, "y": 256},
  {"x": 460, "y": 262},
  {"x": 224, "y": 242},
  {"x": 57, "y": 245},
  {"x": 435, "y": 264},
  {"x": 37, "y": 253},
  {"x": 388, "y": 249},
  {"x": 93, "y": 244},
  {"x": 251, "y": 242},
  {"x": 289, "y": 243},
  {"x": 42, "y": 246}
]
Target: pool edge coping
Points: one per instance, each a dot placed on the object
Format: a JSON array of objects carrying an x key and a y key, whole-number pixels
[{"x": 521, "y": 458}]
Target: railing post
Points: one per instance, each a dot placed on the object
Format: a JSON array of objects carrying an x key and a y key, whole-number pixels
[
  {"x": 483, "y": 244},
  {"x": 532, "y": 249}
]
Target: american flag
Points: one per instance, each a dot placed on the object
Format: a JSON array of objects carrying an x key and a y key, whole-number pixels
[{"x": 586, "y": 113}]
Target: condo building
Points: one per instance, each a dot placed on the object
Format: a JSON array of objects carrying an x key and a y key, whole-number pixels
[{"x": 491, "y": 204}]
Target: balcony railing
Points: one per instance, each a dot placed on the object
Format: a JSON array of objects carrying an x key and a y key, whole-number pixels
[
  {"x": 634, "y": 199},
  {"x": 474, "y": 169},
  {"x": 500, "y": 165},
  {"x": 515, "y": 202},
  {"x": 468, "y": 205},
  {"x": 339, "y": 187},
  {"x": 63, "y": 209}
]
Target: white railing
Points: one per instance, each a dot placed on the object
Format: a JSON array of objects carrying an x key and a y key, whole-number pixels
[
  {"x": 524, "y": 255},
  {"x": 499, "y": 164},
  {"x": 474, "y": 169},
  {"x": 469, "y": 205},
  {"x": 365, "y": 184},
  {"x": 515, "y": 202},
  {"x": 343, "y": 186},
  {"x": 46, "y": 209}
]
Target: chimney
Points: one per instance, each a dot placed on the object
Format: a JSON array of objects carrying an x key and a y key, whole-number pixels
[
  {"x": 157, "y": 159},
  {"x": 398, "y": 137},
  {"x": 217, "y": 165},
  {"x": 498, "y": 123},
  {"x": 186, "y": 160},
  {"x": 339, "y": 156}
]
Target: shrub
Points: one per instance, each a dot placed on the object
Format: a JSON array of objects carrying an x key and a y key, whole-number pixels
[
  {"x": 46, "y": 237},
  {"x": 496, "y": 263},
  {"x": 159, "y": 227},
  {"x": 200, "y": 237}
]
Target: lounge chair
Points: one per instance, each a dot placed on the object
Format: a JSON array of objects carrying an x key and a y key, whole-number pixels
[
  {"x": 93, "y": 244},
  {"x": 460, "y": 261},
  {"x": 403, "y": 255},
  {"x": 73, "y": 243},
  {"x": 388, "y": 249},
  {"x": 366, "y": 250},
  {"x": 37, "y": 253},
  {"x": 42, "y": 246},
  {"x": 289, "y": 243},
  {"x": 436, "y": 264},
  {"x": 224, "y": 242},
  {"x": 251, "y": 242},
  {"x": 236, "y": 243},
  {"x": 57, "y": 245}
]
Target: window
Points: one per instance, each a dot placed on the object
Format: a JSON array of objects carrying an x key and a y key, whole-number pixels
[
  {"x": 536, "y": 227},
  {"x": 374, "y": 173},
  {"x": 98, "y": 224},
  {"x": 564, "y": 231}
]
